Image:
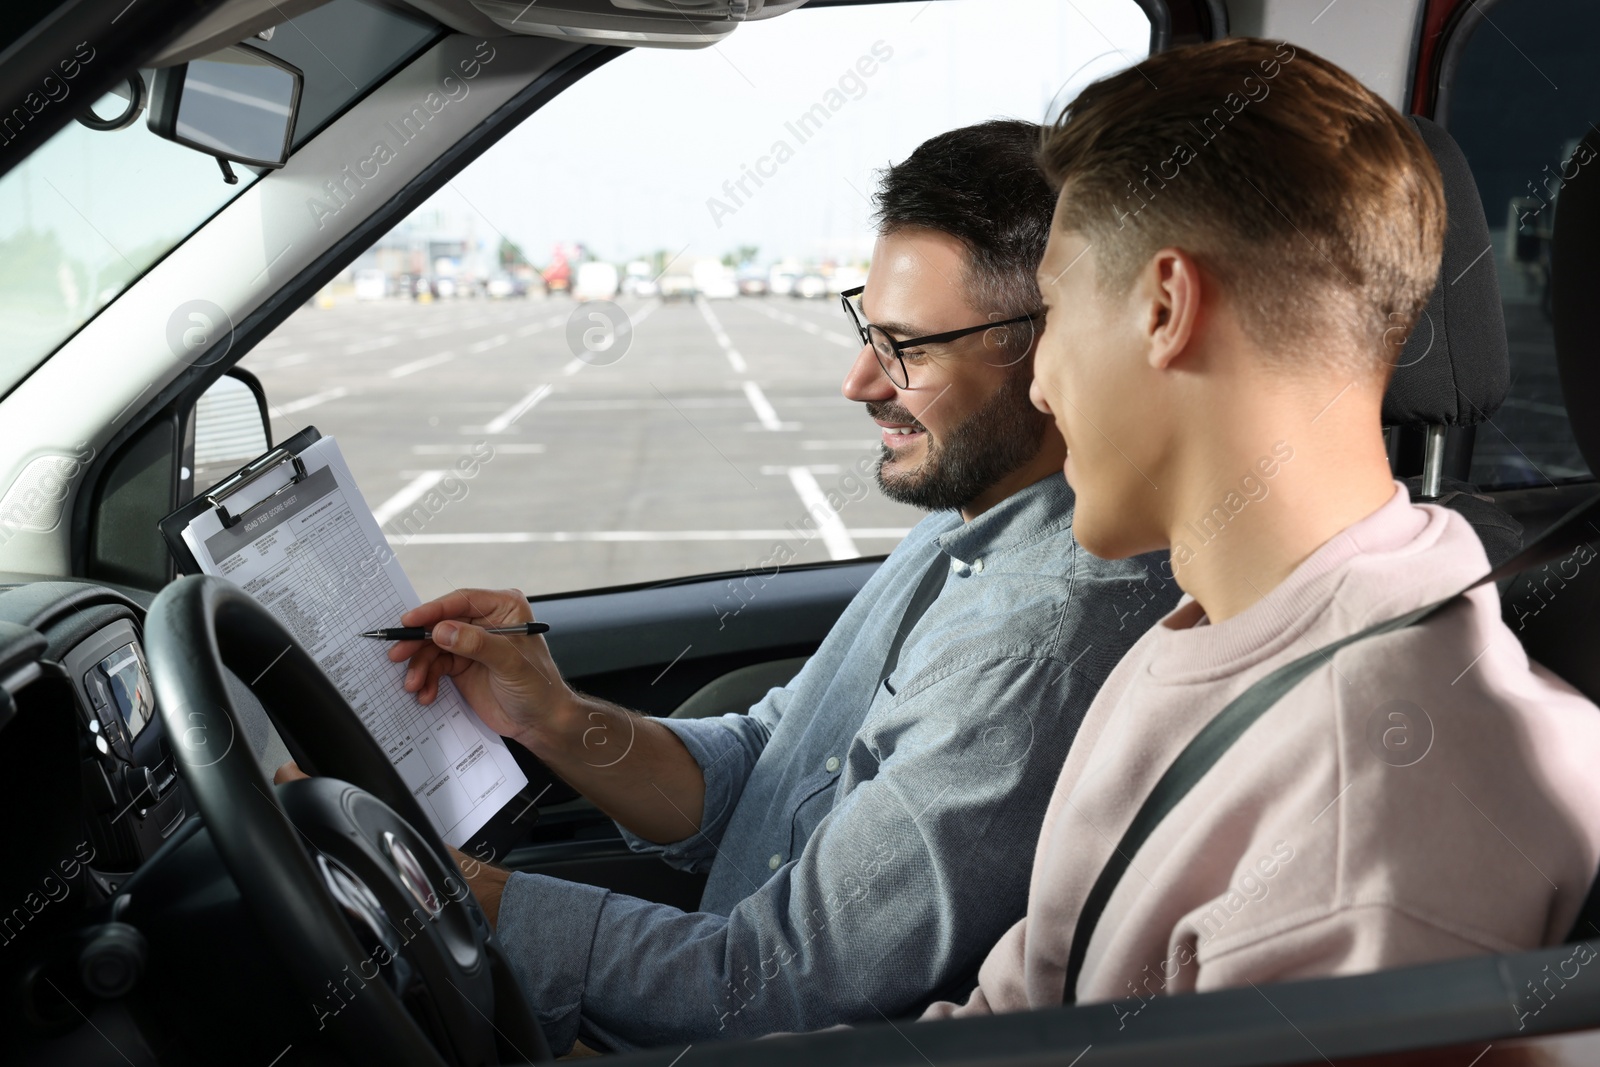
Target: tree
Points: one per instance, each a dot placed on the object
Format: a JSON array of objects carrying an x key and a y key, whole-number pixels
[{"x": 511, "y": 254}]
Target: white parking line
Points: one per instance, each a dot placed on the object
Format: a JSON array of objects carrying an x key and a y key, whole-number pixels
[
  {"x": 543, "y": 537},
  {"x": 421, "y": 364},
  {"x": 494, "y": 342},
  {"x": 289, "y": 361},
  {"x": 308, "y": 402},
  {"x": 508, "y": 447},
  {"x": 539, "y": 327},
  {"x": 764, "y": 409},
  {"x": 834, "y": 535},
  {"x": 634, "y": 319},
  {"x": 648, "y": 308},
  {"x": 809, "y": 327},
  {"x": 734, "y": 358},
  {"x": 500, "y": 423},
  {"x": 407, "y": 496},
  {"x": 830, "y": 446},
  {"x": 370, "y": 345},
  {"x": 814, "y": 468}
]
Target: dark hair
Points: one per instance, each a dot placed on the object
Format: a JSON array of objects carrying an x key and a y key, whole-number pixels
[
  {"x": 982, "y": 185},
  {"x": 1311, "y": 200}
]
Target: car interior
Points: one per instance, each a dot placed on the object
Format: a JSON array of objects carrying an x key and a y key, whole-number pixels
[{"x": 162, "y": 902}]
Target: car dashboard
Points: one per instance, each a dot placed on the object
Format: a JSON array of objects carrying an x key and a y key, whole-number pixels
[
  {"x": 86, "y": 770},
  {"x": 91, "y": 670}
]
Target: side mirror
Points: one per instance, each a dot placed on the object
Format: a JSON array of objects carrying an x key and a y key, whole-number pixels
[
  {"x": 236, "y": 104},
  {"x": 230, "y": 427}
]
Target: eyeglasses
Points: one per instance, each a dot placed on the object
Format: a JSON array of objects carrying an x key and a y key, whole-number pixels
[{"x": 891, "y": 353}]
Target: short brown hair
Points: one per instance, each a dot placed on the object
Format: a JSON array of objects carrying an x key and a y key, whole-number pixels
[{"x": 1315, "y": 204}]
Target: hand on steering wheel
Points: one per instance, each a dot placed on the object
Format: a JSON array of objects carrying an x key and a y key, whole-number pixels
[{"x": 343, "y": 878}]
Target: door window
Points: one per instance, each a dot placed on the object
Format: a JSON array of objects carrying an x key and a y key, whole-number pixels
[
  {"x": 1521, "y": 94},
  {"x": 623, "y": 318}
]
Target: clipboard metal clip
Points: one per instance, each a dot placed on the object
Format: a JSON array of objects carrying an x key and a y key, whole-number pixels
[{"x": 249, "y": 473}]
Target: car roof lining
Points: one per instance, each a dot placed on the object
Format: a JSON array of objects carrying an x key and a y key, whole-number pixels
[{"x": 230, "y": 23}]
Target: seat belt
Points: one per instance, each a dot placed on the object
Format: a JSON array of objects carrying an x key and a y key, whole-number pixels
[
  {"x": 926, "y": 593},
  {"x": 1580, "y": 525}
]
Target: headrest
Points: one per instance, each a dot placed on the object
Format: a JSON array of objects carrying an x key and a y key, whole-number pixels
[
  {"x": 1454, "y": 369},
  {"x": 1574, "y": 276}
]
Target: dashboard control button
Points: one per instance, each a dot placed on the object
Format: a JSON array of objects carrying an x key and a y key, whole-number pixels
[{"x": 140, "y": 782}]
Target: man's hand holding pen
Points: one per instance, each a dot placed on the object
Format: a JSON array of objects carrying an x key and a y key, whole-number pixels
[
  {"x": 631, "y": 766},
  {"x": 507, "y": 677}
]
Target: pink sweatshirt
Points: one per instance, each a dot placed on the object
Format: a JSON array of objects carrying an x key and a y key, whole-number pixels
[{"x": 1428, "y": 794}]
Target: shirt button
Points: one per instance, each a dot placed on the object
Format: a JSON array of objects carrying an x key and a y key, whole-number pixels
[
  {"x": 960, "y": 568},
  {"x": 774, "y": 862},
  {"x": 977, "y": 566},
  {"x": 832, "y": 764}
]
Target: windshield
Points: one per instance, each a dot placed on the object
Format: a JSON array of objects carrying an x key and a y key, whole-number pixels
[{"x": 91, "y": 211}]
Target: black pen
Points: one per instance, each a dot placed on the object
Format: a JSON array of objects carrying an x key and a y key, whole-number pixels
[{"x": 418, "y": 633}]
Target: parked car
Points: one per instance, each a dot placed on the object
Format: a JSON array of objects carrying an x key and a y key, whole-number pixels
[
  {"x": 676, "y": 285},
  {"x": 501, "y": 286},
  {"x": 714, "y": 281},
  {"x": 595, "y": 281},
  {"x": 371, "y": 285},
  {"x": 781, "y": 279},
  {"x": 810, "y": 287}
]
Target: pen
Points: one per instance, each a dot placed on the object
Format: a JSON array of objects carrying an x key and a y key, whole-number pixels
[{"x": 418, "y": 633}]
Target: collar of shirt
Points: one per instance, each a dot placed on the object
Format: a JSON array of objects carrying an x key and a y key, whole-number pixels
[{"x": 1037, "y": 511}]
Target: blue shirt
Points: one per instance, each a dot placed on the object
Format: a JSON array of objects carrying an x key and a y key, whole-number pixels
[{"x": 866, "y": 847}]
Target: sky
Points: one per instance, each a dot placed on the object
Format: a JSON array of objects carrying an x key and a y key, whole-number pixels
[{"x": 630, "y": 159}]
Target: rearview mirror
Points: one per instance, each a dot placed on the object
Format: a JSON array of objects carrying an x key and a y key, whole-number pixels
[{"x": 236, "y": 104}]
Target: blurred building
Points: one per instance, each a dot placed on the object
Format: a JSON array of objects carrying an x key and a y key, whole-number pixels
[{"x": 435, "y": 241}]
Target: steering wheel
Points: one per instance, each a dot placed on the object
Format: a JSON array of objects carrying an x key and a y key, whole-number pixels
[{"x": 350, "y": 882}]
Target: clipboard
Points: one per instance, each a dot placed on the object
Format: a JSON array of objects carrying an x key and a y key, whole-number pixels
[
  {"x": 311, "y": 553},
  {"x": 216, "y": 497}
]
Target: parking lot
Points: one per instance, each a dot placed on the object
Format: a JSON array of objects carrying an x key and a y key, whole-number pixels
[{"x": 713, "y": 443}]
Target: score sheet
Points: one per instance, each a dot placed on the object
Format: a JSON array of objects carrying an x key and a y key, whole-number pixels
[{"x": 314, "y": 557}]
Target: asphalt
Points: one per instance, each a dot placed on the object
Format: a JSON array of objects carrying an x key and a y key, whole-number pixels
[{"x": 703, "y": 447}]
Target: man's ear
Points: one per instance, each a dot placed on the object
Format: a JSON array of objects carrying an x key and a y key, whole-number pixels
[{"x": 1170, "y": 289}]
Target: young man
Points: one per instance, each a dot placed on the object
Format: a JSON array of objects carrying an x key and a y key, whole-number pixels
[
  {"x": 862, "y": 824},
  {"x": 1234, "y": 263}
]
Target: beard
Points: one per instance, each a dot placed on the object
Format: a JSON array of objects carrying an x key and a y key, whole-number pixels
[{"x": 992, "y": 442}]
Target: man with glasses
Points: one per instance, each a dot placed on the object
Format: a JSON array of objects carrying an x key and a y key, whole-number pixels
[
  {"x": 868, "y": 826},
  {"x": 987, "y": 454}
]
